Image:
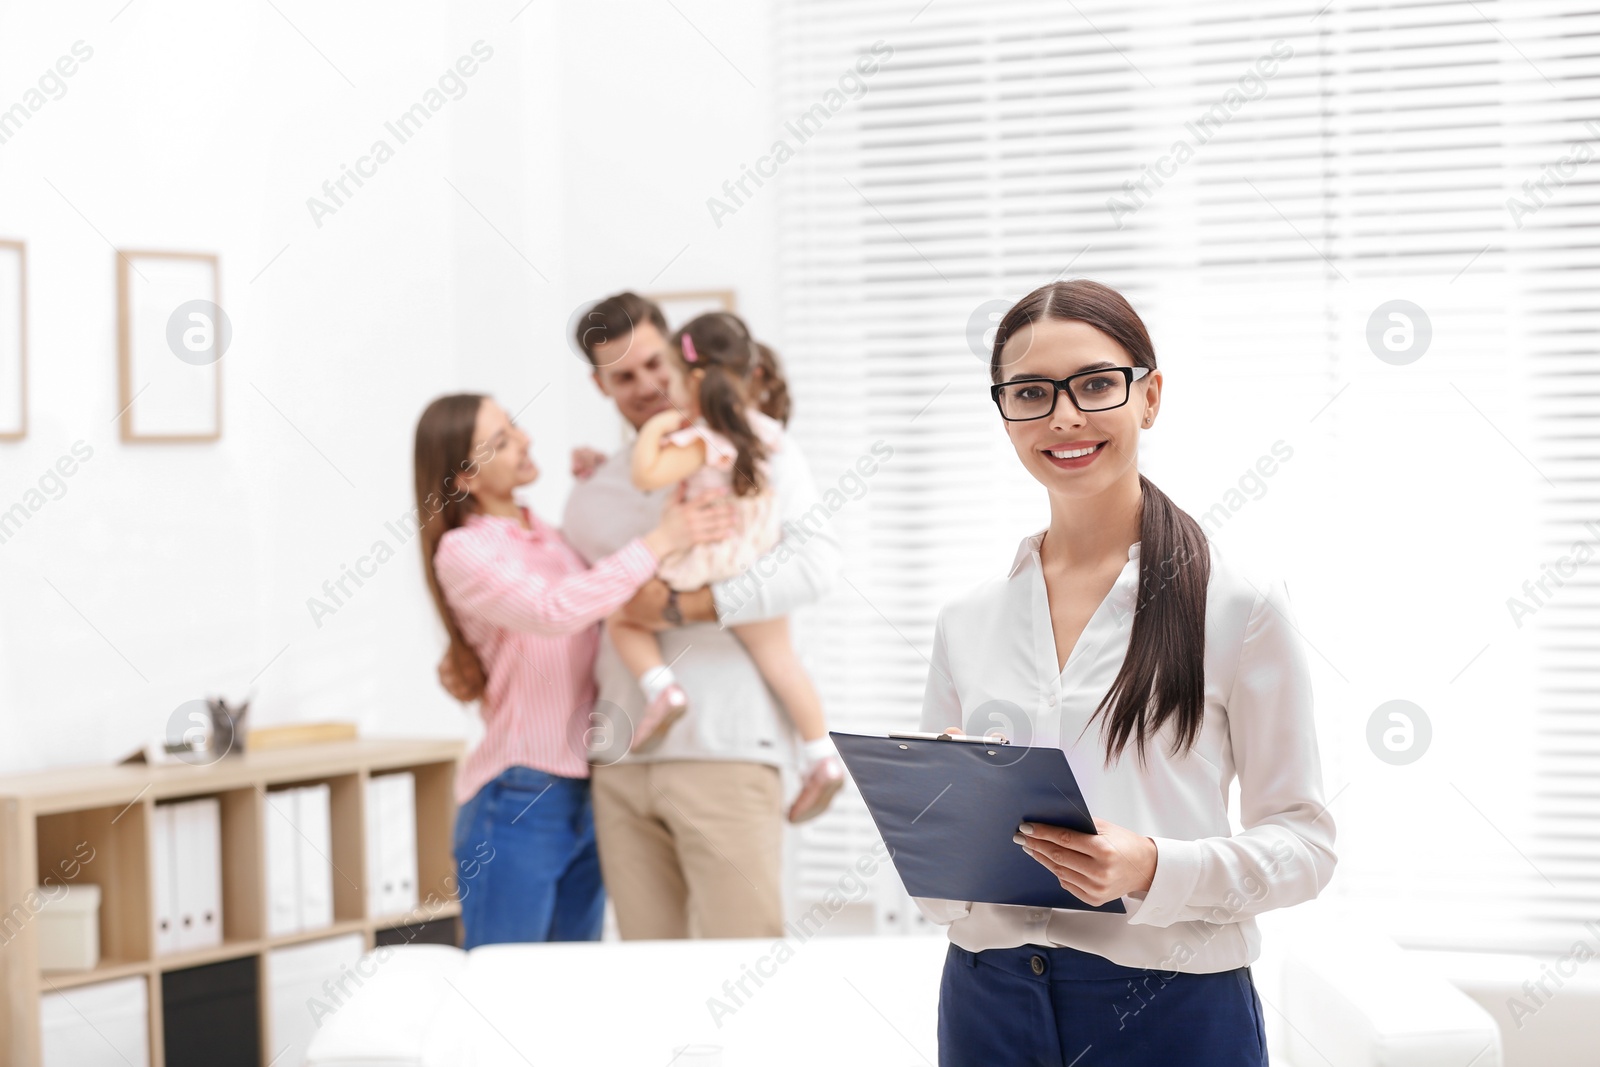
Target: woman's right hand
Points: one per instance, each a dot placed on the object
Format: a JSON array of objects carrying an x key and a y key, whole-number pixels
[{"x": 710, "y": 517}]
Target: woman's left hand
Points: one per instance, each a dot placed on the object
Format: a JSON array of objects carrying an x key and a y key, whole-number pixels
[
  {"x": 1095, "y": 868},
  {"x": 585, "y": 461}
]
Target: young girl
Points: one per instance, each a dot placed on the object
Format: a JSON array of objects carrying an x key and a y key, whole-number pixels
[{"x": 721, "y": 446}]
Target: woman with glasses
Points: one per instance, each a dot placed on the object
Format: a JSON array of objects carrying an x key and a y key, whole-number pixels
[{"x": 1122, "y": 636}]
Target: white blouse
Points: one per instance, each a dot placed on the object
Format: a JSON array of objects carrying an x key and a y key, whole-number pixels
[{"x": 994, "y": 667}]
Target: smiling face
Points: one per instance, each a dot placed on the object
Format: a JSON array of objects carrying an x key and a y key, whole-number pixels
[
  {"x": 500, "y": 459},
  {"x": 640, "y": 373},
  {"x": 1071, "y": 452}
]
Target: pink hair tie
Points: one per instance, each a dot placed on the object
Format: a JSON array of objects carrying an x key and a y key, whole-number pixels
[{"x": 689, "y": 354}]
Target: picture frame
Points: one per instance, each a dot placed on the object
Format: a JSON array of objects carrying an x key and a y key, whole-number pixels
[
  {"x": 13, "y": 340},
  {"x": 683, "y": 305},
  {"x": 171, "y": 335}
]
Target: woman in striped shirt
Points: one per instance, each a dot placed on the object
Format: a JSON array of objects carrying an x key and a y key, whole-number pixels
[{"x": 522, "y": 613}]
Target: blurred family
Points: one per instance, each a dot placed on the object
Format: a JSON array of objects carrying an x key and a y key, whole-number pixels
[{"x": 638, "y": 685}]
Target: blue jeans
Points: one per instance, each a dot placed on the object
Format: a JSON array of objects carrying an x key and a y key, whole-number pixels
[
  {"x": 526, "y": 862},
  {"x": 1057, "y": 1006}
]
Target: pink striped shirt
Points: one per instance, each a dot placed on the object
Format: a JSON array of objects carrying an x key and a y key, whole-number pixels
[{"x": 531, "y": 609}]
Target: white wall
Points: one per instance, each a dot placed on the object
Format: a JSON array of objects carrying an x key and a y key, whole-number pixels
[
  {"x": 582, "y": 150},
  {"x": 662, "y": 109}
]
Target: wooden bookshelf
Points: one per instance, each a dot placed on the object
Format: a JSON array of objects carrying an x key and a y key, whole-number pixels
[{"x": 48, "y": 819}]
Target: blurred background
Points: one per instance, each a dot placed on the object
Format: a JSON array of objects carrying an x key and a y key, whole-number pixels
[{"x": 1363, "y": 235}]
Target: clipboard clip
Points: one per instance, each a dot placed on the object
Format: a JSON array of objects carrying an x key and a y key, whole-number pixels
[{"x": 975, "y": 739}]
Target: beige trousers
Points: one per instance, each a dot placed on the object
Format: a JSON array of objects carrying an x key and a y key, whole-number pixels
[{"x": 691, "y": 848}]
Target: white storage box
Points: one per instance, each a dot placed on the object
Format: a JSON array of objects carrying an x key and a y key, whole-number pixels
[
  {"x": 307, "y": 984},
  {"x": 102, "y": 1025},
  {"x": 69, "y": 927}
]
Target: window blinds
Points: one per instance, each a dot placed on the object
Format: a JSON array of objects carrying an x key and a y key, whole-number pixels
[{"x": 1269, "y": 183}]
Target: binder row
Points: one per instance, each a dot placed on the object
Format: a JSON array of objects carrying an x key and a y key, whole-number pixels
[
  {"x": 187, "y": 856},
  {"x": 299, "y": 859},
  {"x": 300, "y": 847}
]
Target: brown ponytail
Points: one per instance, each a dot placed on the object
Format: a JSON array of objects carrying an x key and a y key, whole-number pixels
[
  {"x": 725, "y": 351},
  {"x": 1163, "y": 674},
  {"x": 442, "y": 450}
]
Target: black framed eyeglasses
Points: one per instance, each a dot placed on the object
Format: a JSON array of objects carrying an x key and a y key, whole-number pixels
[{"x": 1022, "y": 399}]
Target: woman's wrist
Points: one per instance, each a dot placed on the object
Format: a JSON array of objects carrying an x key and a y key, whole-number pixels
[{"x": 660, "y": 542}]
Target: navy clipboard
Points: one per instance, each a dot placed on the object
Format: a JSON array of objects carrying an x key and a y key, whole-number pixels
[{"x": 948, "y": 810}]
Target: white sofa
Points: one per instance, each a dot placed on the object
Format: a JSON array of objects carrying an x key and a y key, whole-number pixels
[{"x": 1334, "y": 997}]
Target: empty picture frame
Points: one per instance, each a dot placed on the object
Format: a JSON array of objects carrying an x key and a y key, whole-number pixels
[
  {"x": 13, "y": 340},
  {"x": 680, "y": 307},
  {"x": 164, "y": 397}
]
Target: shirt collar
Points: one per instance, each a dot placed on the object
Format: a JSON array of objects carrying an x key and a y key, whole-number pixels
[
  {"x": 1029, "y": 549},
  {"x": 536, "y": 531}
]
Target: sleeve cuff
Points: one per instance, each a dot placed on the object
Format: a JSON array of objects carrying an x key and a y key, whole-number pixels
[
  {"x": 942, "y": 912},
  {"x": 637, "y": 561},
  {"x": 1178, "y": 864}
]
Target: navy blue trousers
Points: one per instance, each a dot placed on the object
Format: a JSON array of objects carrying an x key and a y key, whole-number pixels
[{"x": 1062, "y": 1007}]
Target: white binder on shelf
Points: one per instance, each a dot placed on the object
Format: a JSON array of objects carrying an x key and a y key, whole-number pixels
[
  {"x": 197, "y": 826},
  {"x": 210, "y": 822},
  {"x": 163, "y": 858},
  {"x": 400, "y": 841},
  {"x": 391, "y": 822},
  {"x": 283, "y": 863},
  {"x": 372, "y": 820},
  {"x": 315, "y": 843},
  {"x": 183, "y": 899}
]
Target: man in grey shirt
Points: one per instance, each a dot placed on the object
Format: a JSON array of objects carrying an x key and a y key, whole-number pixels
[{"x": 691, "y": 833}]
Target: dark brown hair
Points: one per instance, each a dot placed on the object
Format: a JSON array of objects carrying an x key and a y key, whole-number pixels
[
  {"x": 1163, "y": 674},
  {"x": 615, "y": 317},
  {"x": 770, "y": 386},
  {"x": 443, "y": 449},
  {"x": 726, "y": 352}
]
